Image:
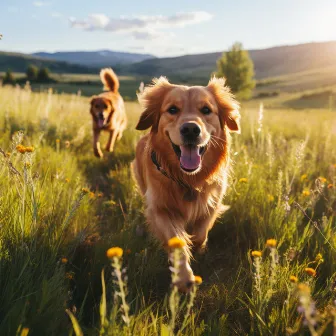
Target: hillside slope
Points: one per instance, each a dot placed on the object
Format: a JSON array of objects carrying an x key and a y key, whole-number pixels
[
  {"x": 19, "y": 62},
  {"x": 101, "y": 58},
  {"x": 269, "y": 62}
]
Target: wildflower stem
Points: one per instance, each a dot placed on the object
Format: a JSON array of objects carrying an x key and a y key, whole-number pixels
[
  {"x": 189, "y": 306},
  {"x": 257, "y": 276},
  {"x": 174, "y": 296},
  {"x": 122, "y": 294}
]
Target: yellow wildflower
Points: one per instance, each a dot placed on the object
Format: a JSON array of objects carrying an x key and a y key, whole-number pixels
[
  {"x": 85, "y": 190},
  {"x": 271, "y": 243},
  {"x": 114, "y": 252},
  {"x": 27, "y": 164},
  {"x": 100, "y": 195},
  {"x": 303, "y": 177},
  {"x": 176, "y": 242},
  {"x": 256, "y": 254},
  {"x": 21, "y": 149},
  {"x": 330, "y": 186},
  {"x": 306, "y": 192},
  {"x": 270, "y": 198},
  {"x": 322, "y": 179},
  {"x": 67, "y": 180},
  {"x": 303, "y": 288},
  {"x": 198, "y": 280},
  {"x": 69, "y": 276},
  {"x": 92, "y": 195},
  {"x": 243, "y": 180},
  {"x": 64, "y": 260},
  {"x": 8, "y": 154},
  {"x": 29, "y": 149},
  {"x": 24, "y": 332},
  {"x": 319, "y": 258},
  {"x": 58, "y": 141},
  {"x": 293, "y": 279},
  {"x": 310, "y": 271}
]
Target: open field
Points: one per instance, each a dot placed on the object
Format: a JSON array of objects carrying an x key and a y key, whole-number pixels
[
  {"x": 307, "y": 89},
  {"x": 54, "y": 234}
]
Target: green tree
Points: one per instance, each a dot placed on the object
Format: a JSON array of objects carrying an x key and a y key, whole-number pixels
[
  {"x": 32, "y": 72},
  {"x": 237, "y": 67},
  {"x": 43, "y": 75},
  {"x": 9, "y": 77}
]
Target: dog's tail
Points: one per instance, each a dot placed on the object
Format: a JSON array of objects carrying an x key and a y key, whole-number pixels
[{"x": 109, "y": 79}]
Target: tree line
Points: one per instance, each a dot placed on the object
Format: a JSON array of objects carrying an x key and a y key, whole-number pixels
[{"x": 33, "y": 74}]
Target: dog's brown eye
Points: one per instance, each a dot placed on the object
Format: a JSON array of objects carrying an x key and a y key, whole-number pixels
[
  {"x": 205, "y": 110},
  {"x": 173, "y": 109}
]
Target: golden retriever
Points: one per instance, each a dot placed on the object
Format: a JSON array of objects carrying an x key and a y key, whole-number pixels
[
  {"x": 181, "y": 166},
  {"x": 108, "y": 112}
]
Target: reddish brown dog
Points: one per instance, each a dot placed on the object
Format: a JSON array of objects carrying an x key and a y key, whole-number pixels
[
  {"x": 182, "y": 165},
  {"x": 108, "y": 112}
]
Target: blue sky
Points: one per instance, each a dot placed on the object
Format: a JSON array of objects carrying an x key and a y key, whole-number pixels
[{"x": 162, "y": 28}]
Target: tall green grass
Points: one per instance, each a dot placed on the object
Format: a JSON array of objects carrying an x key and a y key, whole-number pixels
[{"x": 61, "y": 209}]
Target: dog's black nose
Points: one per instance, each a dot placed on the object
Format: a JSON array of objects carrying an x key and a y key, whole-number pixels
[{"x": 190, "y": 131}]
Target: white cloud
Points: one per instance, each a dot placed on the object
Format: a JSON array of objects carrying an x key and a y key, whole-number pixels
[
  {"x": 40, "y": 3},
  {"x": 141, "y": 27},
  {"x": 151, "y": 35}
]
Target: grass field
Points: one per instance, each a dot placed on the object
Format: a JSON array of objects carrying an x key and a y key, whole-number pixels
[
  {"x": 306, "y": 89},
  {"x": 61, "y": 209}
]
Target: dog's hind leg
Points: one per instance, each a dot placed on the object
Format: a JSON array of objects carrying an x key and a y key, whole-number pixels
[
  {"x": 111, "y": 140},
  {"x": 120, "y": 134},
  {"x": 96, "y": 144}
]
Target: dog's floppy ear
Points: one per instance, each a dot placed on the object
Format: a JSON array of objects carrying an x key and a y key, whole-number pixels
[
  {"x": 228, "y": 107},
  {"x": 93, "y": 98},
  {"x": 151, "y": 101}
]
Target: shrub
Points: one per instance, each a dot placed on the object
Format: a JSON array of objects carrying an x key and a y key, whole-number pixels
[
  {"x": 32, "y": 72},
  {"x": 43, "y": 75},
  {"x": 9, "y": 78}
]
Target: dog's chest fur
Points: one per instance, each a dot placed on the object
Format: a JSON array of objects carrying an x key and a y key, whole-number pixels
[{"x": 171, "y": 197}]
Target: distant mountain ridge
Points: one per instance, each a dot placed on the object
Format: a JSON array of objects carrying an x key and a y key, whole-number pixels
[
  {"x": 19, "y": 62},
  {"x": 99, "y": 58}
]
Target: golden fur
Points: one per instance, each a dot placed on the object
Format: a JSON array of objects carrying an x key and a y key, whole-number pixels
[
  {"x": 169, "y": 212},
  {"x": 108, "y": 112}
]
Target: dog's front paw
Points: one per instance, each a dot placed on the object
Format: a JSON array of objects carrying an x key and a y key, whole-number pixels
[
  {"x": 109, "y": 149},
  {"x": 98, "y": 153}
]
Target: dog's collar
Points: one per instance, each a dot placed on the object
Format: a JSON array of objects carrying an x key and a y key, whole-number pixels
[{"x": 190, "y": 195}]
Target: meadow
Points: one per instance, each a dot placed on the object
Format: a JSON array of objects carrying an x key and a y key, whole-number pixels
[{"x": 269, "y": 267}]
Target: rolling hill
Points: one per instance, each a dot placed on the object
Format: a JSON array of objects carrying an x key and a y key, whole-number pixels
[
  {"x": 269, "y": 62},
  {"x": 100, "y": 58},
  {"x": 18, "y": 62}
]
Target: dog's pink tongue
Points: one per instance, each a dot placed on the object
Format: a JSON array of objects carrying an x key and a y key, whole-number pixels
[
  {"x": 100, "y": 123},
  {"x": 190, "y": 158}
]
